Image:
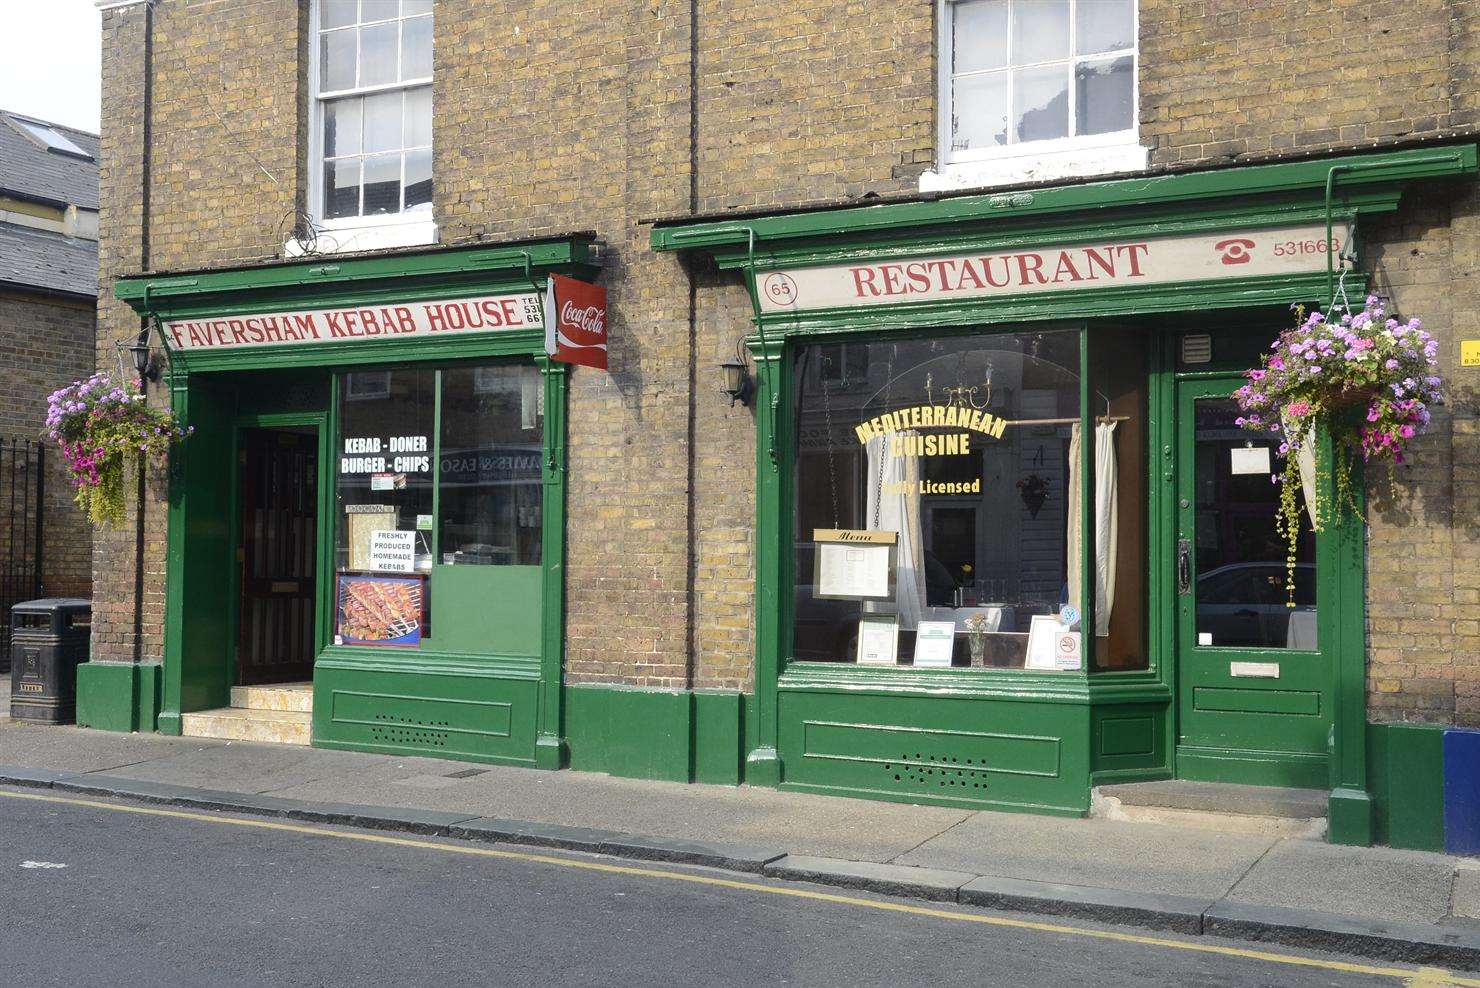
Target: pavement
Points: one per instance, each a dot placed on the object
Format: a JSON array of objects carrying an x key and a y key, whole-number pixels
[
  {"x": 1217, "y": 876},
  {"x": 98, "y": 896}
]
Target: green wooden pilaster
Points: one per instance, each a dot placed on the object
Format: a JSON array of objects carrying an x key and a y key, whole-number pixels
[
  {"x": 762, "y": 763},
  {"x": 178, "y": 383},
  {"x": 551, "y": 750},
  {"x": 1350, "y": 811}
]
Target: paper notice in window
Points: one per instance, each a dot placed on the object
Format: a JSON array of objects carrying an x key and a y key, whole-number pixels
[
  {"x": 1250, "y": 459},
  {"x": 878, "y": 641},
  {"x": 934, "y": 643},
  {"x": 393, "y": 551}
]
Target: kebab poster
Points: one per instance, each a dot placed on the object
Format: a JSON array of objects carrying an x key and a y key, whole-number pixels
[{"x": 380, "y": 610}]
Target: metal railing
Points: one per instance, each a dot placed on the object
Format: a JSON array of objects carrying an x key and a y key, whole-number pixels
[{"x": 22, "y": 493}]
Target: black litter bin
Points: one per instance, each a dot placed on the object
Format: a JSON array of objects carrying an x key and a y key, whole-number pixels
[{"x": 48, "y": 638}]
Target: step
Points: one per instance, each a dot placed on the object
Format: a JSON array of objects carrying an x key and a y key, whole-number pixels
[
  {"x": 235, "y": 724},
  {"x": 1222, "y": 797},
  {"x": 297, "y": 697}
]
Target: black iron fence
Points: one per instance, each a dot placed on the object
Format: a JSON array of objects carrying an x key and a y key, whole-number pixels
[{"x": 22, "y": 489}]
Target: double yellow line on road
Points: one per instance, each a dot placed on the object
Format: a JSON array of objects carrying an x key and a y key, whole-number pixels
[{"x": 1416, "y": 977}]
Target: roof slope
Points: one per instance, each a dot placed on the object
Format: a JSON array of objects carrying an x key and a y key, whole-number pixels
[
  {"x": 42, "y": 259},
  {"x": 30, "y": 170}
]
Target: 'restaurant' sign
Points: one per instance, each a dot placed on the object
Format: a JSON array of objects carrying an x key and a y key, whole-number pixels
[
  {"x": 576, "y": 331},
  {"x": 410, "y": 320},
  {"x": 1102, "y": 264}
]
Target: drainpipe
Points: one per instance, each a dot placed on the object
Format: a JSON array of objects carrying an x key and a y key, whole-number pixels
[{"x": 145, "y": 164}]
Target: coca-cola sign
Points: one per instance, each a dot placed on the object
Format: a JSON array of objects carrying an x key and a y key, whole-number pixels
[{"x": 577, "y": 334}]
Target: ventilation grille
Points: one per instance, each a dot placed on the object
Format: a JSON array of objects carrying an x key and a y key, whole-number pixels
[
  {"x": 1197, "y": 348},
  {"x": 399, "y": 730},
  {"x": 939, "y": 772}
]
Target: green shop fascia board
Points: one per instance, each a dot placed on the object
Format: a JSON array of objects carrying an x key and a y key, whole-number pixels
[
  {"x": 307, "y": 278},
  {"x": 1256, "y": 194}
]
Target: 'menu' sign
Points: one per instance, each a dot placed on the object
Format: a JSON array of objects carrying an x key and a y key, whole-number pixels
[
  {"x": 1103, "y": 264},
  {"x": 441, "y": 318}
]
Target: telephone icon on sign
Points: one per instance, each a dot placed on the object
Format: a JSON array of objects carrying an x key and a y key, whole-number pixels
[{"x": 1235, "y": 250}]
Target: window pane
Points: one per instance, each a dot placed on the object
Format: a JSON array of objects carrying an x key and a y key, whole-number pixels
[
  {"x": 1041, "y": 103},
  {"x": 979, "y": 36},
  {"x": 1239, "y": 574},
  {"x": 1104, "y": 25},
  {"x": 1104, "y": 94},
  {"x": 337, "y": 13},
  {"x": 980, "y": 517},
  {"x": 341, "y": 188},
  {"x": 418, "y": 180},
  {"x": 492, "y": 438},
  {"x": 419, "y": 117},
  {"x": 410, "y": 8},
  {"x": 1040, "y": 30},
  {"x": 981, "y": 109},
  {"x": 378, "y": 54},
  {"x": 382, "y": 184},
  {"x": 384, "y": 476},
  {"x": 337, "y": 61},
  {"x": 383, "y": 122},
  {"x": 378, "y": 10},
  {"x": 416, "y": 48},
  {"x": 342, "y": 127}
]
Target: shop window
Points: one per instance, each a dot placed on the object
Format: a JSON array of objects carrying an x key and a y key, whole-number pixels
[
  {"x": 1119, "y": 365},
  {"x": 438, "y": 492},
  {"x": 384, "y": 479},
  {"x": 1038, "y": 78},
  {"x": 372, "y": 114},
  {"x": 492, "y": 440},
  {"x": 934, "y": 519}
]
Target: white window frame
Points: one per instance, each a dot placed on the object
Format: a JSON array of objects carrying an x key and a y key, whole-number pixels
[
  {"x": 355, "y": 233},
  {"x": 1062, "y": 157}
]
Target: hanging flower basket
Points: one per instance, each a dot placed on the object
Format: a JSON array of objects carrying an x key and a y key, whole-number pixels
[
  {"x": 103, "y": 430},
  {"x": 1365, "y": 378}
]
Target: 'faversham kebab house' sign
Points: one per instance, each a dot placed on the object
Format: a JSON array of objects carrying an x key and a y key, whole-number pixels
[{"x": 409, "y": 320}]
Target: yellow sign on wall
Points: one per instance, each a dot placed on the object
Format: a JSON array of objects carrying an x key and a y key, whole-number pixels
[{"x": 1469, "y": 353}]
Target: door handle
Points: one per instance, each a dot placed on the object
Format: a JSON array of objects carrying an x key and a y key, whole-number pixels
[{"x": 1184, "y": 566}]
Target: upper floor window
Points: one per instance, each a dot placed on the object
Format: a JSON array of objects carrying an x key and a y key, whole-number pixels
[
  {"x": 371, "y": 82},
  {"x": 1051, "y": 73}
]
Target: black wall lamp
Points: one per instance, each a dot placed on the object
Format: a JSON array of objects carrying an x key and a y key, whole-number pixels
[
  {"x": 144, "y": 365},
  {"x": 737, "y": 379}
]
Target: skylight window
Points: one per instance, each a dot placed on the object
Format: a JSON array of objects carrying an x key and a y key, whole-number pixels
[{"x": 50, "y": 138}]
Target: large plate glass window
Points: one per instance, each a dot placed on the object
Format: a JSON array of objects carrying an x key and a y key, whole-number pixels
[
  {"x": 1045, "y": 72},
  {"x": 373, "y": 109},
  {"x": 936, "y": 501}
]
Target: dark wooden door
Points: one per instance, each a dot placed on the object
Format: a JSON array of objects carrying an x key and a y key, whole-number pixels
[{"x": 279, "y": 498}]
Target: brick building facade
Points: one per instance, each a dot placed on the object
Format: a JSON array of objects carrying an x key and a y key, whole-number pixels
[{"x": 549, "y": 119}]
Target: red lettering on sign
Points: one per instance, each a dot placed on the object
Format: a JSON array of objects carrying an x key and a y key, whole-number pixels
[
  {"x": 1131, "y": 250},
  {"x": 1031, "y": 264},
  {"x": 1066, "y": 269},
  {"x": 863, "y": 278}
]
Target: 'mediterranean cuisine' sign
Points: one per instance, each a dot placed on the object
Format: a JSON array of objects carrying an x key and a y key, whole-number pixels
[{"x": 409, "y": 320}]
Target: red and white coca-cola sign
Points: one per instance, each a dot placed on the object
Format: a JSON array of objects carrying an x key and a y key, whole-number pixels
[{"x": 575, "y": 322}]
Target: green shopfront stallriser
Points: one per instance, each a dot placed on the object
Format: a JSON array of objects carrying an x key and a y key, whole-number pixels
[{"x": 488, "y": 686}]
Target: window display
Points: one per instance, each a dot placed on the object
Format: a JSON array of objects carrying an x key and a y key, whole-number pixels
[{"x": 960, "y": 457}]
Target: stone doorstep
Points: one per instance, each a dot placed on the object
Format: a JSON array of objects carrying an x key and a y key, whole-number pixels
[
  {"x": 296, "y": 697},
  {"x": 234, "y": 724},
  {"x": 1221, "y": 797}
]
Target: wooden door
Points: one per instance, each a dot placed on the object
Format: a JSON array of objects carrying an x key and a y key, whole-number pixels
[
  {"x": 279, "y": 523},
  {"x": 1254, "y": 680}
]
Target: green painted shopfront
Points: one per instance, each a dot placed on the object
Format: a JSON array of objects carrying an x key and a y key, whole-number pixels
[{"x": 1008, "y": 541}]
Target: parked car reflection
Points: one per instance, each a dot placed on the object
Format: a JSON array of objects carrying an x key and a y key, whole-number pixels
[{"x": 1247, "y": 604}]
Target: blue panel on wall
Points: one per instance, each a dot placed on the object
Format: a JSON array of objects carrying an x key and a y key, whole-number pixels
[{"x": 1462, "y": 792}]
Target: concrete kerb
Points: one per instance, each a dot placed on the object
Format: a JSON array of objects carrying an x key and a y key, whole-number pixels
[{"x": 1411, "y": 943}]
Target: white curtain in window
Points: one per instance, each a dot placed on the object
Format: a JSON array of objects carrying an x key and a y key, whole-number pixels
[
  {"x": 1107, "y": 525},
  {"x": 894, "y": 506}
]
